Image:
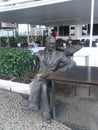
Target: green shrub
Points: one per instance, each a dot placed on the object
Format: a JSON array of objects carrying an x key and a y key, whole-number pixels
[
  {"x": 17, "y": 62},
  {"x": 3, "y": 41},
  {"x": 12, "y": 42}
]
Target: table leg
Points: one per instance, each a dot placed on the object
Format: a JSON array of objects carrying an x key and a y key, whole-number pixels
[
  {"x": 52, "y": 101},
  {"x": 75, "y": 89},
  {"x": 89, "y": 91}
]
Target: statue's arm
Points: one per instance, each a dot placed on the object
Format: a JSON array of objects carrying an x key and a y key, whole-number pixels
[{"x": 65, "y": 64}]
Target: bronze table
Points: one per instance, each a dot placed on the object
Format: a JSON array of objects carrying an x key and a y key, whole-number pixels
[{"x": 82, "y": 75}]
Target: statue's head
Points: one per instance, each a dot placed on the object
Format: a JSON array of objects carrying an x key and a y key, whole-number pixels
[{"x": 50, "y": 43}]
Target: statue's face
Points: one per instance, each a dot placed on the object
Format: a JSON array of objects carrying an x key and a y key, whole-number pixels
[
  {"x": 50, "y": 46},
  {"x": 50, "y": 43}
]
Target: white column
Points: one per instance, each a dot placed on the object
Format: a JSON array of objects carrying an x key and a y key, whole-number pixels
[
  {"x": 28, "y": 34},
  {"x": 92, "y": 19}
]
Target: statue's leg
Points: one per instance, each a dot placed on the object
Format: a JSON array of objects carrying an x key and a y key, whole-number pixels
[
  {"x": 35, "y": 89},
  {"x": 44, "y": 102}
]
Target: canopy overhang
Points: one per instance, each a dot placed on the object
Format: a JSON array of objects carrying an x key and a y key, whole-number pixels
[{"x": 69, "y": 12}]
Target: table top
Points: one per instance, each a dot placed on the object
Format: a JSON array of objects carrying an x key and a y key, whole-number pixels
[{"x": 79, "y": 74}]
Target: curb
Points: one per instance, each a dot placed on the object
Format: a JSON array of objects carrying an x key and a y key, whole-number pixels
[{"x": 15, "y": 86}]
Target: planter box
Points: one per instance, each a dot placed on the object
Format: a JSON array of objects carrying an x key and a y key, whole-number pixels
[
  {"x": 12, "y": 84},
  {"x": 15, "y": 86}
]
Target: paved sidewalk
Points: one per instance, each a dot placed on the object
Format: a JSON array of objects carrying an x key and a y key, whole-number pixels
[{"x": 12, "y": 117}]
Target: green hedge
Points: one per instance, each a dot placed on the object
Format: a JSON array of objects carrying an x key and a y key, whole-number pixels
[{"x": 16, "y": 62}]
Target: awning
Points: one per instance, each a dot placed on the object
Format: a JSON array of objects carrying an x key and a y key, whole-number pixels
[{"x": 51, "y": 13}]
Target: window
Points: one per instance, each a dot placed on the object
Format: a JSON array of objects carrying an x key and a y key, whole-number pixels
[
  {"x": 64, "y": 30},
  {"x": 72, "y": 30},
  {"x": 45, "y": 33},
  {"x": 95, "y": 29},
  {"x": 55, "y": 28},
  {"x": 84, "y": 30}
]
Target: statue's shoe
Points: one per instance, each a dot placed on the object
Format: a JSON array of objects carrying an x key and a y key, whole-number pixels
[
  {"x": 29, "y": 106},
  {"x": 47, "y": 116},
  {"x": 33, "y": 107}
]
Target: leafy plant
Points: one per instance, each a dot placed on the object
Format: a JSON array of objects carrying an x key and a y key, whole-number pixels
[
  {"x": 16, "y": 62},
  {"x": 12, "y": 42},
  {"x": 3, "y": 41}
]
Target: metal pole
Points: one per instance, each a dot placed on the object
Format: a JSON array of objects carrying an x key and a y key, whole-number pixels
[{"x": 92, "y": 20}]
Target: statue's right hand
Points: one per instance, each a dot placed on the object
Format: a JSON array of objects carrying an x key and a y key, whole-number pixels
[{"x": 42, "y": 75}]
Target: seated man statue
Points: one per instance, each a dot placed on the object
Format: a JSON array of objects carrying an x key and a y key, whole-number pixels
[{"x": 50, "y": 60}]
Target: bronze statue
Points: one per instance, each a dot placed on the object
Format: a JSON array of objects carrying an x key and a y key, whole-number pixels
[{"x": 50, "y": 61}]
